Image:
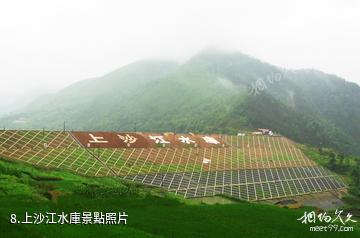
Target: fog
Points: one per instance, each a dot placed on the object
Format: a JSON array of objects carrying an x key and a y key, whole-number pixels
[{"x": 47, "y": 45}]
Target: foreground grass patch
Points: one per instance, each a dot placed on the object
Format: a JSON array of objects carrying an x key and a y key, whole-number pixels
[{"x": 151, "y": 212}]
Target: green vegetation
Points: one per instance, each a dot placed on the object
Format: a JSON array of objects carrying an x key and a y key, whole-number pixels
[
  {"x": 346, "y": 166},
  {"x": 152, "y": 212},
  {"x": 208, "y": 94}
]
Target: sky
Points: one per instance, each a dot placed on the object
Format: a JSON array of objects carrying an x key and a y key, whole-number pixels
[{"x": 47, "y": 45}]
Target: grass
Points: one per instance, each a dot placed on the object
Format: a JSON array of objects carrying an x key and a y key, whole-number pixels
[
  {"x": 152, "y": 211},
  {"x": 75, "y": 159},
  {"x": 159, "y": 216}
]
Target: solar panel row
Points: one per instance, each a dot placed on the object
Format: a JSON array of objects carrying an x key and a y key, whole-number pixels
[{"x": 269, "y": 183}]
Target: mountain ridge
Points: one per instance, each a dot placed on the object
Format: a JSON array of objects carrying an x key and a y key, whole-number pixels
[{"x": 214, "y": 91}]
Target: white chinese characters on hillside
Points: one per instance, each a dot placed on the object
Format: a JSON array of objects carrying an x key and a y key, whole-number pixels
[
  {"x": 159, "y": 140},
  {"x": 128, "y": 139},
  {"x": 132, "y": 140},
  {"x": 210, "y": 140},
  {"x": 96, "y": 140},
  {"x": 186, "y": 140}
]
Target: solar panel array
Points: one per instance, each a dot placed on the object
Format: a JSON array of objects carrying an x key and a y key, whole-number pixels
[{"x": 249, "y": 167}]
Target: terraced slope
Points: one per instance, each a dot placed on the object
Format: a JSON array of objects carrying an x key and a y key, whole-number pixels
[{"x": 246, "y": 167}]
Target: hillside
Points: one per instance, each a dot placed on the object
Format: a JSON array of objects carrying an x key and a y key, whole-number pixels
[
  {"x": 214, "y": 91},
  {"x": 249, "y": 167},
  {"x": 151, "y": 212}
]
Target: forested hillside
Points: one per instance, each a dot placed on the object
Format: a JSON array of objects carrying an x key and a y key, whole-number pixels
[{"x": 214, "y": 91}]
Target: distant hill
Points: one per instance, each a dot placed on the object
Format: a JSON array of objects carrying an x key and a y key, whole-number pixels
[{"x": 214, "y": 91}]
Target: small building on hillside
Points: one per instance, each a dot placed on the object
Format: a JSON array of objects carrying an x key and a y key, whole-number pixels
[{"x": 265, "y": 131}]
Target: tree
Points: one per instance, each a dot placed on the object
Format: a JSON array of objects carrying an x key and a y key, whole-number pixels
[
  {"x": 332, "y": 161},
  {"x": 341, "y": 158},
  {"x": 356, "y": 176}
]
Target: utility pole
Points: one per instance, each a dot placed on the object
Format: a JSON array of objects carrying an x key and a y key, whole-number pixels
[
  {"x": 135, "y": 126},
  {"x": 64, "y": 125}
]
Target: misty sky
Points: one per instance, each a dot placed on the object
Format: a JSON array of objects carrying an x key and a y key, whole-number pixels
[{"x": 50, "y": 44}]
